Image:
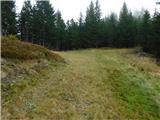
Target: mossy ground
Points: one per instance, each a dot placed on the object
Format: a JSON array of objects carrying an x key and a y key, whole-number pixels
[{"x": 94, "y": 84}]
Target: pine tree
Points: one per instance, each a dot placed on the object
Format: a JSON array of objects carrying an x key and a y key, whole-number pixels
[
  {"x": 97, "y": 12},
  {"x": 138, "y": 23},
  {"x": 112, "y": 30},
  {"x": 98, "y": 24},
  {"x": 155, "y": 44},
  {"x": 8, "y": 17},
  {"x": 44, "y": 24},
  {"x": 125, "y": 27},
  {"x": 60, "y": 31},
  {"x": 25, "y": 21},
  {"x": 92, "y": 25},
  {"x": 80, "y": 41},
  {"x": 104, "y": 30},
  {"x": 146, "y": 30},
  {"x": 72, "y": 31}
]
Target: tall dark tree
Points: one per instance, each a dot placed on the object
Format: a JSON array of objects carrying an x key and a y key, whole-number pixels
[
  {"x": 97, "y": 11},
  {"x": 138, "y": 23},
  {"x": 145, "y": 30},
  {"x": 60, "y": 31},
  {"x": 44, "y": 23},
  {"x": 99, "y": 38},
  {"x": 103, "y": 34},
  {"x": 92, "y": 21},
  {"x": 25, "y": 21},
  {"x": 72, "y": 34},
  {"x": 8, "y": 17},
  {"x": 155, "y": 43},
  {"x": 125, "y": 27},
  {"x": 80, "y": 41},
  {"x": 112, "y": 30}
]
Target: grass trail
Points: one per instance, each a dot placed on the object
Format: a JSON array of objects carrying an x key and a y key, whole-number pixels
[{"x": 93, "y": 85}]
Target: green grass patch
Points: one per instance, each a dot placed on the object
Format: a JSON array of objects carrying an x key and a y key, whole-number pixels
[
  {"x": 137, "y": 97},
  {"x": 131, "y": 86},
  {"x": 14, "y": 89}
]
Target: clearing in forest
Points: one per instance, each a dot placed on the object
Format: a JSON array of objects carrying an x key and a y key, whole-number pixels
[{"x": 93, "y": 84}]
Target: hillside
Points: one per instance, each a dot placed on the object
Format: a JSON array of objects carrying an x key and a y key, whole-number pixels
[
  {"x": 93, "y": 84},
  {"x": 23, "y": 64},
  {"x": 16, "y": 49}
]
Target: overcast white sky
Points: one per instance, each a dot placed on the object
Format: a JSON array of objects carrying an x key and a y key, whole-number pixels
[{"x": 72, "y": 8}]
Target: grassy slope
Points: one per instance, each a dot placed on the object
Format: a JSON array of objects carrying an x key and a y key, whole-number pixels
[
  {"x": 23, "y": 65},
  {"x": 94, "y": 84},
  {"x": 15, "y": 49}
]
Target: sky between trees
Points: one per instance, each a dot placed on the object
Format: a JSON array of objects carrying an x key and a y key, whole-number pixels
[{"x": 72, "y": 8}]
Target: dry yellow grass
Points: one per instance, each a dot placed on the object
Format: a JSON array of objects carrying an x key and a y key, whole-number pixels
[
  {"x": 94, "y": 84},
  {"x": 16, "y": 49}
]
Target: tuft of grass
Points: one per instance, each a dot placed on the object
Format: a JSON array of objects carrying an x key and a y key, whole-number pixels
[
  {"x": 26, "y": 51},
  {"x": 12, "y": 89},
  {"x": 9, "y": 37}
]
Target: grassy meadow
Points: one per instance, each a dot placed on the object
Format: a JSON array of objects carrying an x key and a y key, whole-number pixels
[{"x": 93, "y": 84}]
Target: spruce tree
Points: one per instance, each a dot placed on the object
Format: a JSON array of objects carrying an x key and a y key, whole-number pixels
[
  {"x": 146, "y": 30},
  {"x": 112, "y": 30},
  {"x": 72, "y": 31},
  {"x": 98, "y": 24},
  {"x": 92, "y": 21},
  {"x": 97, "y": 11},
  {"x": 80, "y": 41},
  {"x": 155, "y": 44},
  {"x": 125, "y": 27},
  {"x": 8, "y": 17},
  {"x": 44, "y": 24},
  {"x": 60, "y": 31},
  {"x": 25, "y": 21}
]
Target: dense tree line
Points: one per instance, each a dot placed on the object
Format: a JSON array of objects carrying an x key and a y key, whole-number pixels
[{"x": 40, "y": 24}]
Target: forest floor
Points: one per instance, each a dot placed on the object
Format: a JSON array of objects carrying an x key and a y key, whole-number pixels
[{"x": 93, "y": 84}]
